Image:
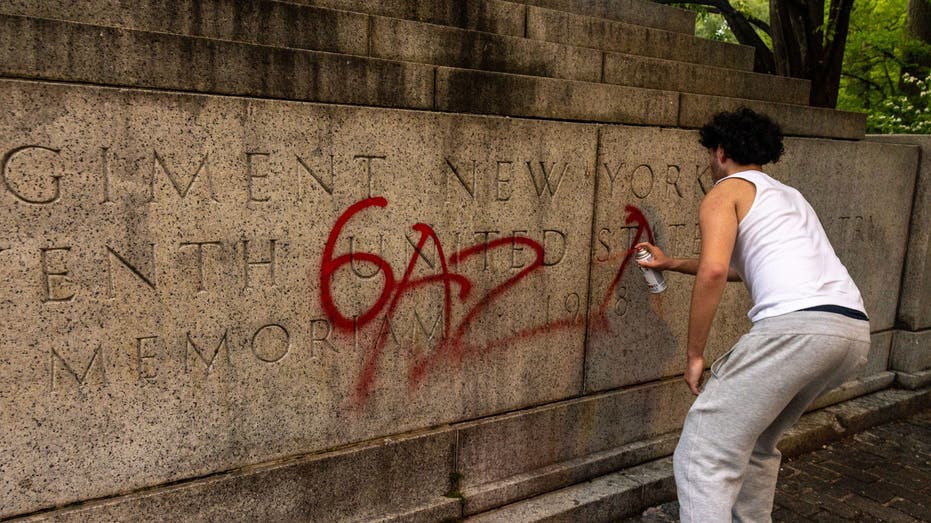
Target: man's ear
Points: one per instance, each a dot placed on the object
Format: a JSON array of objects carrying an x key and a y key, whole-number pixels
[{"x": 722, "y": 155}]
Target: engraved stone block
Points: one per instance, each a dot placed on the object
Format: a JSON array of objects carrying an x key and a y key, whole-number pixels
[{"x": 194, "y": 283}]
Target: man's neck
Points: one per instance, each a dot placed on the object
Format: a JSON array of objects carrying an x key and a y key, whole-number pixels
[{"x": 731, "y": 168}]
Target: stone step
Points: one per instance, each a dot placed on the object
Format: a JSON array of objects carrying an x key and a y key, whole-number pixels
[
  {"x": 402, "y": 40},
  {"x": 62, "y": 51},
  {"x": 638, "y": 12},
  {"x": 613, "y": 496},
  {"x": 513, "y": 95},
  {"x": 578, "y": 28},
  {"x": 604, "y": 499},
  {"x": 286, "y": 25},
  {"x": 696, "y": 109},
  {"x": 608, "y": 35}
]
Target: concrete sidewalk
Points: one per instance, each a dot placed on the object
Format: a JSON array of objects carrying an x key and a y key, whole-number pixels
[{"x": 880, "y": 474}]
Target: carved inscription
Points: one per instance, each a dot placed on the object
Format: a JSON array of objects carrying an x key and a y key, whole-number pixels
[
  {"x": 271, "y": 343},
  {"x": 182, "y": 188},
  {"x": 267, "y": 263},
  {"x": 116, "y": 257},
  {"x": 498, "y": 179},
  {"x": 56, "y": 282},
  {"x": 76, "y": 370},
  {"x": 206, "y": 356},
  {"x": 252, "y": 174},
  {"x": 463, "y": 276},
  {"x": 201, "y": 261},
  {"x": 11, "y": 173},
  {"x": 659, "y": 180},
  {"x": 146, "y": 358}
]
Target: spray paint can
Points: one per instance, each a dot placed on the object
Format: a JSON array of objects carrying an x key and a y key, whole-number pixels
[{"x": 655, "y": 281}]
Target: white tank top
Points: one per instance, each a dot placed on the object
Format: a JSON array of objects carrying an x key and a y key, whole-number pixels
[{"x": 783, "y": 254}]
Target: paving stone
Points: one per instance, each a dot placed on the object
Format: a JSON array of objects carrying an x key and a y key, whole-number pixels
[
  {"x": 913, "y": 509},
  {"x": 880, "y": 475},
  {"x": 795, "y": 504},
  {"x": 787, "y": 516},
  {"x": 850, "y": 472},
  {"x": 877, "y": 510},
  {"x": 837, "y": 509},
  {"x": 819, "y": 473}
]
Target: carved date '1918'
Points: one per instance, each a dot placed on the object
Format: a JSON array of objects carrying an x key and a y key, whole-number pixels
[{"x": 452, "y": 345}]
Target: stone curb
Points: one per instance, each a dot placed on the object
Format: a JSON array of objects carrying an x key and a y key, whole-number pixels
[
  {"x": 913, "y": 380},
  {"x": 632, "y": 490}
]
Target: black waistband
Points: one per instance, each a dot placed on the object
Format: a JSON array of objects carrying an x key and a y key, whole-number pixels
[{"x": 837, "y": 309}]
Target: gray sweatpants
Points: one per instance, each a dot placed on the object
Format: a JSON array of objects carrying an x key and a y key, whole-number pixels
[{"x": 726, "y": 462}]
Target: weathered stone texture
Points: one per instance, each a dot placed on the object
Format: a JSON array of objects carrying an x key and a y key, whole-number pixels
[
  {"x": 915, "y": 302},
  {"x": 800, "y": 120},
  {"x": 402, "y": 480},
  {"x": 860, "y": 210},
  {"x": 254, "y": 21},
  {"x": 394, "y": 39},
  {"x": 638, "y": 12},
  {"x": 494, "y": 16},
  {"x": 236, "y": 305},
  {"x": 467, "y": 91},
  {"x": 911, "y": 351},
  {"x": 171, "y": 249},
  {"x": 670, "y": 75},
  {"x": 609, "y": 35},
  {"x": 498, "y": 448}
]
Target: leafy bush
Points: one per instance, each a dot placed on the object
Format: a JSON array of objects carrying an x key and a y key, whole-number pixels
[{"x": 904, "y": 114}]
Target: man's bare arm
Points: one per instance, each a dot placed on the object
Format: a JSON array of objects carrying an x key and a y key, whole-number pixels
[
  {"x": 663, "y": 262},
  {"x": 717, "y": 218}
]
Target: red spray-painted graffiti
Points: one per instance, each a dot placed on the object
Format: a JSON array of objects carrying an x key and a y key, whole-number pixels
[{"x": 453, "y": 345}]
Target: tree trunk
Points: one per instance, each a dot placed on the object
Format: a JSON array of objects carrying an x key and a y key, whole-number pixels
[
  {"x": 805, "y": 44},
  {"x": 918, "y": 63},
  {"x": 808, "y": 46},
  {"x": 743, "y": 30},
  {"x": 833, "y": 55},
  {"x": 919, "y": 20}
]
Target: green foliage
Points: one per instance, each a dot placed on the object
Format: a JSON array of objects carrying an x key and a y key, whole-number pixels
[
  {"x": 904, "y": 114},
  {"x": 873, "y": 57},
  {"x": 874, "y": 79},
  {"x": 711, "y": 25}
]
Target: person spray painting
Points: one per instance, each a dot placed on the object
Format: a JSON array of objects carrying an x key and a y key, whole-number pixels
[{"x": 810, "y": 331}]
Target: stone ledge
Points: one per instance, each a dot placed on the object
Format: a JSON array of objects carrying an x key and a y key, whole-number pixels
[
  {"x": 639, "y": 12},
  {"x": 494, "y": 16},
  {"x": 911, "y": 351},
  {"x": 853, "y": 389},
  {"x": 467, "y": 91},
  {"x": 615, "y": 495},
  {"x": 395, "y": 479},
  {"x": 603, "y": 499},
  {"x": 488, "y": 496},
  {"x": 307, "y": 28},
  {"x": 913, "y": 380},
  {"x": 42, "y": 49},
  {"x": 656, "y": 73},
  {"x": 797, "y": 120},
  {"x": 262, "y": 22},
  {"x": 126, "y": 58},
  {"x": 621, "y": 37}
]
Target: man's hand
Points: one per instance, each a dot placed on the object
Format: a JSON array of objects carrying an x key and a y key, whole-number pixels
[
  {"x": 660, "y": 261},
  {"x": 693, "y": 373}
]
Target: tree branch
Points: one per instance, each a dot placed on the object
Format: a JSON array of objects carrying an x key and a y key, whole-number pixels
[{"x": 740, "y": 26}]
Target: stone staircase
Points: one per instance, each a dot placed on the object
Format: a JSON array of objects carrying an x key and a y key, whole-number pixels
[
  {"x": 554, "y": 60},
  {"x": 127, "y": 94}
]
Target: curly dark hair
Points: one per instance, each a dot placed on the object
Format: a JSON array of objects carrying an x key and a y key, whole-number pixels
[{"x": 746, "y": 136}]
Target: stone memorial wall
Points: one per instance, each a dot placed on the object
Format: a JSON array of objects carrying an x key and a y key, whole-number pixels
[{"x": 247, "y": 307}]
